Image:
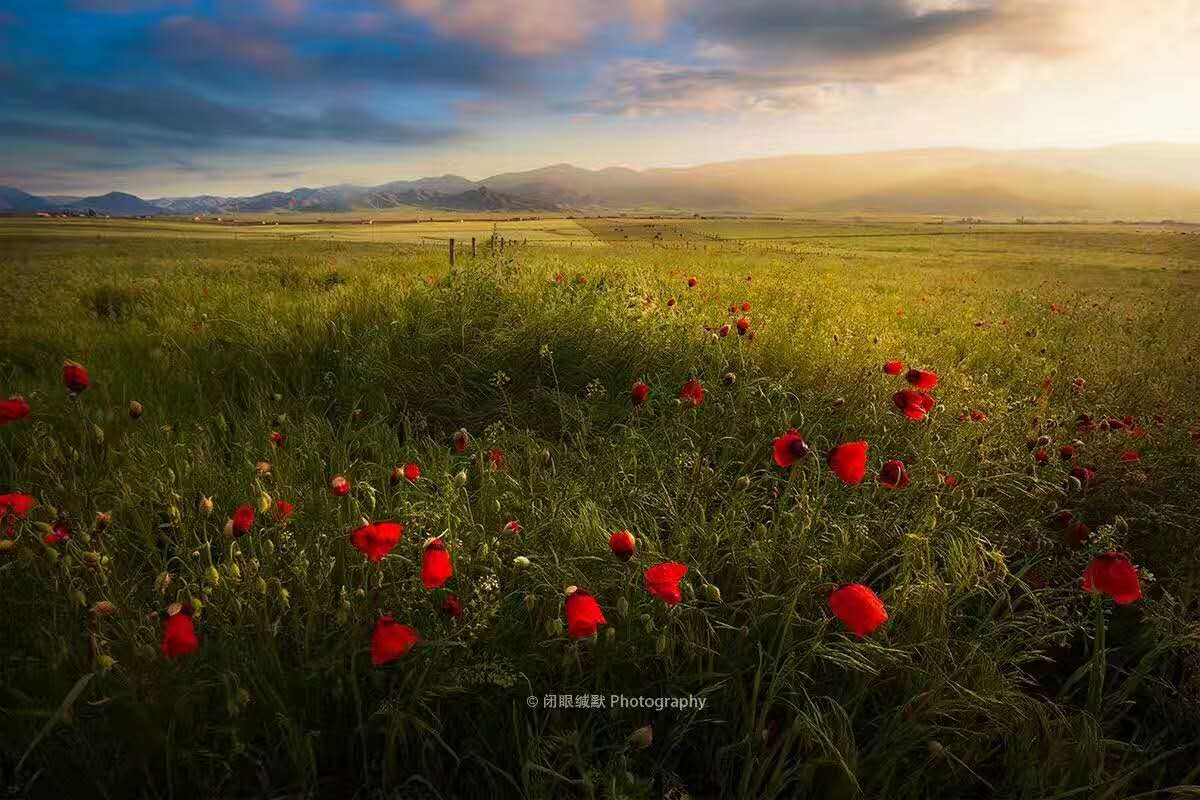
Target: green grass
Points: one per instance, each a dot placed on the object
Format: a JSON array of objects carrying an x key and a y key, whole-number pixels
[{"x": 985, "y": 682}]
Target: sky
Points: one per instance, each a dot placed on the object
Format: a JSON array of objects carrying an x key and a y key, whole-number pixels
[{"x": 228, "y": 97}]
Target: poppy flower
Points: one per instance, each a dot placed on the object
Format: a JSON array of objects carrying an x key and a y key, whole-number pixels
[
  {"x": 513, "y": 526},
  {"x": 179, "y": 636},
  {"x": 723, "y": 331},
  {"x": 412, "y": 472},
  {"x": 75, "y": 377},
  {"x": 1085, "y": 424},
  {"x": 1113, "y": 574},
  {"x": 495, "y": 458},
  {"x": 893, "y": 367},
  {"x": 893, "y": 475},
  {"x": 1084, "y": 475},
  {"x": 692, "y": 392},
  {"x": 435, "y": 565},
  {"x": 452, "y": 607},
  {"x": 377, "y": 539},
  {"x": 662, "y": 581},
  {"x": 1055, "y": 308},
  {"x": 14, "y": 409},
  {"x": 743, "y": 325},
  {"x": 638, "y": 393},
  {"x": 947, "y": 480},
  {"x": 339, "y": 486},
  {"x": 14, "y": 507},
  {"x": 732, "y": 308},
  {"x": 243, "y": 521},
  {"x": 859, "y": 608},
  {"x": 914, "y": 404},
  {"x": 789, "y": 448},
  {"x": 1075, "y": 531},
  {"x": 1066, "y": 452},
  {"x": 975, "y": 415},
  {"x": 390, "y": 640},
  {"x": 462, "y": 440},
  {"x": 692, "y": 282},
  {"x": 60, "y": 531},
  {"x": 849, "y": 462},
  {"x": 1131, "y": 457},
  {"x": 746, "y": 306},
  {"x": 278, "y": 439},
  {"x": 283, "y": 510},
  {"x": 1041, "y": 456},
  {"x": 622, "y": 545},
  {"x": 922, "y": 379},
  {"x": 583, "y": 614}
]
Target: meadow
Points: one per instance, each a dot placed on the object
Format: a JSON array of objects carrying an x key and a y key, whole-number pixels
[{"x": 154, "y": 644}]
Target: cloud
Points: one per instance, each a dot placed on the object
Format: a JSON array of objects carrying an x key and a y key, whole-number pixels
[
  {"x": 785, "y": 55},
  {"x": 535, "y": 27}
]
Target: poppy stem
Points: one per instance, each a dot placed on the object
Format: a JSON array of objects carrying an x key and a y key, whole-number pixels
[{"x": 1099, "y": 660}]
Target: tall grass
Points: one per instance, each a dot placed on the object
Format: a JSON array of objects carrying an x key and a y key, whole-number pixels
[{"x": 986, "y": 681}]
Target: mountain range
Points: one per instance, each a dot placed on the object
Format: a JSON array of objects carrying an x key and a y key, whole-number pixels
[{"x": 1150, "y": 181}]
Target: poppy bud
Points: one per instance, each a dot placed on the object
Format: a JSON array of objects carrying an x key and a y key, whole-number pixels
[
  {"x": 6, "y": 545},
  {"x": 264, "y": 502},
  {"x": 743, "y": 483},
  {"x": 936, "y": 749},
  {"x": 105, "y": 662},
  {"x": 521, "y": 562},
  {"x": 78, "y": 598},
  {"x": 547, "y": 458},
  {"x": 395, "y": 476},
  {"x": 713, "y": 593},
  {"x": 206, "y": 505},
  {"x": 622, "y": 606},
  {"x": 285, "y": 597},
  {"x": 98, "y": 433},
  {"x": 228, "y": 528},
  {"x": 263, "y": 468},
  {"x": 730, "y": 379},
  {"x": 162, "y": 582},
  {"x": 642, "y": 737},
  {"x": 461, "y": 477},
  {"x": 212, "y": 577},
  {"x": 661, "y": 644}
]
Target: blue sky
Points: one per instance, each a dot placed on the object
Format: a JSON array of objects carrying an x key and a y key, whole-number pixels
[{"x": 238, "y": 96}]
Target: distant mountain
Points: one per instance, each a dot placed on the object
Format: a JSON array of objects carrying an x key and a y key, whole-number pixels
[
  {"x": 12, "y": 199},
  {"x": 117, "y": 204},
  {"x": 1138, "y": 181}
]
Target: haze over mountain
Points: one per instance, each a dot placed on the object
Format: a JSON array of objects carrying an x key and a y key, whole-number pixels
[{"x": 1131, "y": 182}]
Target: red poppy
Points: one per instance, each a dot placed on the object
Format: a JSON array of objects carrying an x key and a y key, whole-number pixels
[
  {"x": 513, "y": 527},
  {"x": 1084, "y": 475},
  {"x": 1137, "y": 432},
  {"x": 893, "y": 475},
  {"x": 849, "y": 462},
  {"x": 243, "y": 521},
  {"x": 922, "y": 379},
  {"x": 622, "y": 545},
  {"x": 1085, "y": 424},
  {"x": 1066, "y": 452},
  {"x": 789, "y": 448},
  {"x": 75, "y": 377},
  {"x": 746, "y": 306},
  {"x": 893, "y": 367},
  {"x": 947, "y": 480},
  {"x": 339, "y": 486},
  {"x": 692, "y": 392},
  {"x": 377, "y": 539},
  {"x": 723, "y": 331},
  {"x": 60, "y": 531},
  {"x": 1075, "y": 531},
  {"x": 670, "y": 302},
  {"x": 1131, "y": 457},
  {"x": 639, "y": 393},
  {"x": 391, "y": 640},
  {"x": 975, "y": 415},
  {"x": 859, "y": 608},
  {"x": 743, "y": 325},
  {"x": 283, "y": 510},
  {"x": 1055, "y": 308},
  {"x": 179, "y": 636},
  {"x": 412, "y": 472},
  {"x": 1113, "y": 575},
  {"x": 1041, "y": 456},
  {"x": 452, "y": 607},
  {"x": 278, "y": 439},
  {"x": 14, "y": 507},
  {"x": 692, "y": 282},
  {"x": 462, "y": 440},
  {"x": 583, "y": 614},
  {"x": 435, "y": 565},
  {"x": 13, "y": 409},
  {"x": 495, "y": 458},
  {"x": 662, "y": 581},
  {"x": 914, "y": 404},
  {"x": 732, "y": 308}
]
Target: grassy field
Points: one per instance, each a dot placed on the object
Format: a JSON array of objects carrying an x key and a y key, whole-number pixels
[{"x": 995, "y": 674}]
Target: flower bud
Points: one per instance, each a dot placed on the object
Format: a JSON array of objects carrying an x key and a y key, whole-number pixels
[
  {"x": 78, "y": 598},
  {"x": 212, "y": 577},
  {"x": 135, "y": 409},
  {"x": 264, "y": 502},
  {"x": 461, "y": 477},
  {"x": 521, "y": 562},
  {"x": 743, "y": 483},
  {"x": 712, "y": 592},
  {"x": 206, "y": 505},
  {"x": 105, "y": 662}
]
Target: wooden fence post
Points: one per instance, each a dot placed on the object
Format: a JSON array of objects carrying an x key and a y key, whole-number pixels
[
  {"x": 452, "y": 252},
  {"x": 472, "y": 247}
]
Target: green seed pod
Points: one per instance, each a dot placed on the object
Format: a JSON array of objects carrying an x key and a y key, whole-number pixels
[{"x": 623, "y": 606}]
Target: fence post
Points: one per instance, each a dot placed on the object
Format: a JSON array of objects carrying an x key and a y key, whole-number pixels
[
  {"x": 472, "y": 247},
  {"x": 452, "y": 252}
]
